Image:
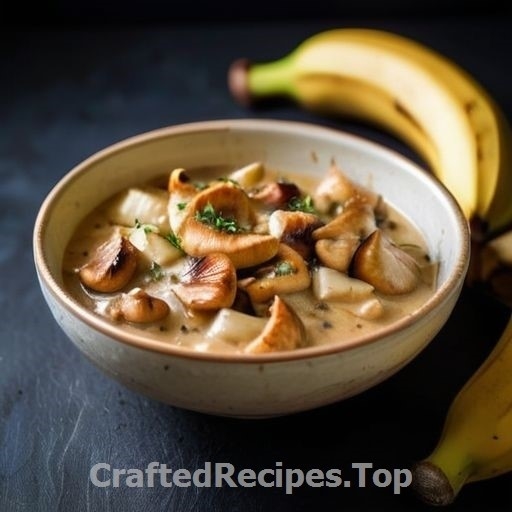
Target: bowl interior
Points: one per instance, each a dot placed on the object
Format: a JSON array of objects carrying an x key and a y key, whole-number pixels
[{"x": 280, "y": 145}]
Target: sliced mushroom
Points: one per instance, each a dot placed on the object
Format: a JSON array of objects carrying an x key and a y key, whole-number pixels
[
  {"x": 284, "y": 330},
  {"x": 244, "y": 249},
  {"x": 140, "y": 307},
  {"x": 337, "y": 253},
  {"x": 276, "y": 194},
  {"x": 111, "y": 267},
  {"x": 339, "y": 239},
  {"x": 385, "y": 266},
  {"x": 295, "y": 229},
  {"x": 336, "y": 189},
  {"x": 357, "y": 218},
  {"x": 286, "y": 273},
  {"x": 208, "y": 283},
  {"x": 228, "y": 200},
  {"x": 181, "y": 192}
]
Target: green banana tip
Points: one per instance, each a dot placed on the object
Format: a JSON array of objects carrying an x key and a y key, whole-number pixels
[
  {"x": 431, "y": 485},
  {"x": 238, "y": 82}
]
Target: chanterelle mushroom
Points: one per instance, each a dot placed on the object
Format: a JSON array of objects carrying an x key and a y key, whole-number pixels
[
  {"x": 111, "y": 267},
  {"x": 218, "y": 220},
  {"x": 286, "y": 273},
  {"x": 209, "y": 283},
  {"x": 284, "y": 330},
  {"x": 385, "y": 266}
]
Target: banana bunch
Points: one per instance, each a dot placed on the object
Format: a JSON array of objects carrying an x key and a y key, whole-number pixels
[
  {"x": 409, "y": 90},
  {"x": 443, "y": 114}
]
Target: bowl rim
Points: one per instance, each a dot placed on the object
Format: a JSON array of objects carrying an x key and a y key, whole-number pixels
[{"x": 110, "y": 330}]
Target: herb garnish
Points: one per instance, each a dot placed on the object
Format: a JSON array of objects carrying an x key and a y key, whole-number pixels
[
  {"x": 148, "y": 228},
  {"x": 156, "y": 271},
  {"x": 284, "y": 268},
  {"x": 302, "y": 204},
  {"x": 174, "y": 240},
  {"x": 181, "y": 206},
  {"x": 209, "y": 216}
]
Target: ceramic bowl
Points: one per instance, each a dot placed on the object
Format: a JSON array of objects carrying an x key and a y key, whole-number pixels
[{"x": 250, "y": 385}]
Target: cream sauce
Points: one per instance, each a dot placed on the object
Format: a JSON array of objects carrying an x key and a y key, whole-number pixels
[{"x": 326, "y": 322}]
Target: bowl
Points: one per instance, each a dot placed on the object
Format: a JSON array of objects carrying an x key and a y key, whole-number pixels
[{"x": 250, "y": 386}]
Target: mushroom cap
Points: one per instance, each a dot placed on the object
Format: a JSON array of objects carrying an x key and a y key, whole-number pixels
[
  {"x": 295, "y": 229},
  {"x": 264, "y": 288},
  {"x": 208, "y": 283},
  {"x": 284, "y": 330},
  {"x": 338, "y": 188},
  {"x": 385, "y": 266},
  {"x": 139, "y": 307},
  {"x": 111, "y": 267},
  {"x": 244, "y": 249}
]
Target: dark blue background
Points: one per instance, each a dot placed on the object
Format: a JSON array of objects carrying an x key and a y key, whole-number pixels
[{"x": 70, "y": 89}]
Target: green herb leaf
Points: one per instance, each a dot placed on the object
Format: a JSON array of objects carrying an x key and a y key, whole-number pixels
[
  {"x": 156, "y": 271},
  {"x": 302, "y": 204},
  {"x": 174, "y": 240},
  {"x": 209, "y": 216},
  {"x": 181, "y": 206},
  {"x": 228, "y": 180},
  {"x": 284, "y": 268},
  {"x": 148, "y": 228}
]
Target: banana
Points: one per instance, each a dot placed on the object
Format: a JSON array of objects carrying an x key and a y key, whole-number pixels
[
  {"x": 453, "y": 123},
  {"x": 418, "y": 95},
  {"x": 476, "y": 442}
]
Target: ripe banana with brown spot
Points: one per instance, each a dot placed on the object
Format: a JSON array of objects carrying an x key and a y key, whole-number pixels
[{"x": 410, "y": 90}]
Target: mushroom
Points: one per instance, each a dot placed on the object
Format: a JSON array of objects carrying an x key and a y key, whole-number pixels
[
  {"x": 111, "y": 267},
  {"x": 338, "y": 240},
  {"x": 286, "y": 273},
  {"x": 337, "y": 253},
  {"x": 140, "y": 307},
  {"x": 357, "y": 218},
  {"x": 284, "y": 330},
  {"x": 181, "y": 192},
  {"x": 385, "y": 266},
  {"x": 217, "y": 221},
  {"x": 294, "y": 229},
  {"x": 208, "y": 283},
  {"x": 336, "y": 189},
  {"x": 276, "y": 194}
]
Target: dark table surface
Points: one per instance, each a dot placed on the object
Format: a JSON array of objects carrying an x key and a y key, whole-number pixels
[{"x": 65, "y": 94}]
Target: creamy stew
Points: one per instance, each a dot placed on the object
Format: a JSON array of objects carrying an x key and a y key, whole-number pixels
[{"x": 249, "y": 260}]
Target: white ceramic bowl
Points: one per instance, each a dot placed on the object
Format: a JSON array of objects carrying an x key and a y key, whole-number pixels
[{"x": 249, "y": 385}]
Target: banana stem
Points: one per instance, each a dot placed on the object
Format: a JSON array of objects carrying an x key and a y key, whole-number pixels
[
  {"x": 438, "y": 479},
  {"x": 272, "y": 78}
]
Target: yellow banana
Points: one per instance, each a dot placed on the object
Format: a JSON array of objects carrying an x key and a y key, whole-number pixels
[
  {"x": 476, "y": 442},
  {"x": 455, "y": 126},
  {"x": 407, "y": 88}
]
